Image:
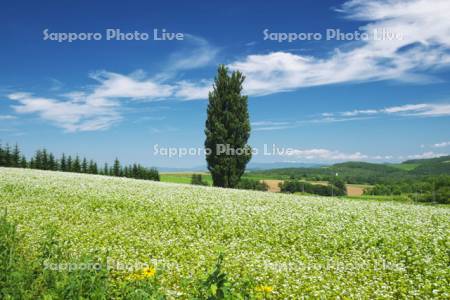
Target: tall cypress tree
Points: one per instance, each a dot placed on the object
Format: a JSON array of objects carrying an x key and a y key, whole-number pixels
[{"x": 227, "y": 129}]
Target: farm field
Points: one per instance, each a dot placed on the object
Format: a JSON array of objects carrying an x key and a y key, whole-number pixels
[
  {"x": 273, "y": 184},
  {"x": 277, "y": 246},
  {"x": 182, "y": 177}
]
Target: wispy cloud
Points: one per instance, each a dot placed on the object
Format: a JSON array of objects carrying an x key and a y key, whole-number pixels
[
  {"x": 325, "y": 155},
  {"x": 133, "y": 86},
  {"x": 441, "y": 145},
  {"x": 7, "y": 117},
  {"x": 270, "y": 125},
  {"x": 422, "y": 110},
  {"x": 197, "y": 54},
  {"x": 186, "y": 90},
  {"x": 56, "y": 85},
  {"x": 77, "y": 113},
  {"x": 97, "y": 109},
  {"x": 100, "y": 106},
  {"x": 425, "y": 45},
  {"x": 428, "y": 154},
  {"x": 328, "y": 155},
  {"x": 410, "y": 110}
]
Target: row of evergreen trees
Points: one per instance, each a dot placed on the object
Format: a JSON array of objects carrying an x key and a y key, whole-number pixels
[{"x": 44, "y": 160}]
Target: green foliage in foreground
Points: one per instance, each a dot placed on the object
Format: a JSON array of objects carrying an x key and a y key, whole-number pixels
[
  {"x": 274, "y": 245},
  {"x": 22, "y": 277},
  {"x": 87, "y": 278}
]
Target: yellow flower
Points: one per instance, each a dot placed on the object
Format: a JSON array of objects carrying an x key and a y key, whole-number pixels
[
  {"x": 149, "y": 272},
  {"x": 264, "y": 289},
  {"x": 143, "y": 274}
]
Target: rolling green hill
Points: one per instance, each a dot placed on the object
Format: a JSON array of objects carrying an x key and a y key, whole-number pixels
[
  {"x": 363, "y": 172},
  {"x": 432, "y": 166},
  {"x": 275, "y": 246}
]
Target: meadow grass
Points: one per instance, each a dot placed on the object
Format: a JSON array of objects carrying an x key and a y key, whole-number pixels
[
  {"x": 274, "y": 245},
  {"x": 183, "y": 177}
]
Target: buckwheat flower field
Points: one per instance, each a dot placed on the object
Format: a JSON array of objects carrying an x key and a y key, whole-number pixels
[{"x": 283, "y": 246}]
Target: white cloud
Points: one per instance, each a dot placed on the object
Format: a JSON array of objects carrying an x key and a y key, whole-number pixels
[
  {"x": 425, "y": 45},
  {"x": 198, "y": 54},
  {"x": 193, "y": 91},
  {"x": 325, "y": 155},
  {"x": 359, "y": 112},
  {"x": 441, "y": 145},
  {"x": 404, "y": 108},
  {"x": 429, "y": 154},
  {"x": 97, "y": 109},
  {"x": 270, "y": 125},
  {"x": 99, "y": 106},
  {"x": 7, "y": 117},
  {"x": 113, "y": 85},
  {"x": 73, "y": 114},
  {"x": 407, "y": 110}
]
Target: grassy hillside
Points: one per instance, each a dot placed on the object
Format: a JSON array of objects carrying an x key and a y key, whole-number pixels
[
  {"x": 284, "y": 246},
  {"x": 351, "y": 172},
  {"x": 183, "y": 177},
  {"x": 433, "y": 166}
]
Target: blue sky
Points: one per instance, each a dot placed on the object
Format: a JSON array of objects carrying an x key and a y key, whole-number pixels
[{"x": 329, "y": 100}]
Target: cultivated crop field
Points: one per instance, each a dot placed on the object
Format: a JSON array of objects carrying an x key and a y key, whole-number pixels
[{"x": 277, "y": 246}]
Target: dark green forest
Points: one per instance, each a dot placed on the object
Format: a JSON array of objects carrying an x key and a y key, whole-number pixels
[{"x": 45, "y": 160}]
